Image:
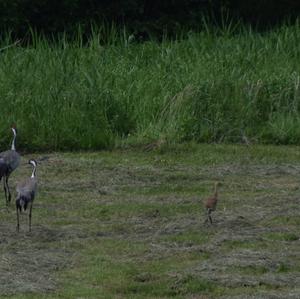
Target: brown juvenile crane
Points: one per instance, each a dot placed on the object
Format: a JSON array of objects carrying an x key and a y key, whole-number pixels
[
  {"x": 9, "y": 161},
  {"x": 211, "y": 203},
  {"x": 26, "y": 191}
]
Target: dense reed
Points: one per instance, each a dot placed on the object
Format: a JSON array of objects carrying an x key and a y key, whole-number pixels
[{"x": 224, "y": 86}]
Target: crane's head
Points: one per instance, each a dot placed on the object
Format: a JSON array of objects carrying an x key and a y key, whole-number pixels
[{"x": 32, "y": 162}]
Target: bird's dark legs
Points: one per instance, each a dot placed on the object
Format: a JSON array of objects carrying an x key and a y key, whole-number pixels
[
  {"x": 9, "y": 195},
  {"x": 208, "y": 217},
  {"x": 5, "y": 191},
  {"x": 18, "y": 222},
  {"x": 30, "y": 212}
]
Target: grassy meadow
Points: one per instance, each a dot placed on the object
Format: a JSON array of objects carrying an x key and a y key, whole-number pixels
[
  {"x": 216, "y": 86},
  {"x": 129, "y": 224},
  {"x": 127, "y": 221}
]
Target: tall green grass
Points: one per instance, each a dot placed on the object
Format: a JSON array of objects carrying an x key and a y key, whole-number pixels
[{"x": 207, "y": 87}]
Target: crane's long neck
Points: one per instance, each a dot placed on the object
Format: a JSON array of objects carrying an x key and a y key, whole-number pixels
[
  {"x": 33, "y": 172},
  {"x": 13, "y": 146}
]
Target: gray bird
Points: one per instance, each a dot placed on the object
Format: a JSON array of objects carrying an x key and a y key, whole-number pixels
[
  {"x": 26, "y": 191},
  {"x": 3, "y": 168},
  {"x": 9, "y": 161}
]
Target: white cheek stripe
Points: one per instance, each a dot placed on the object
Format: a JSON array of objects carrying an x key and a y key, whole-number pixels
[
  {"x": 13, "y": 147},
  {"x": 34, "y": 168}
]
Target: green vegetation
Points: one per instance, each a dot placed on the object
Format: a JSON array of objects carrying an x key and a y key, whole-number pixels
[
  {"x": 226, "y": 86},
  {"x": 97, "y": 234}
]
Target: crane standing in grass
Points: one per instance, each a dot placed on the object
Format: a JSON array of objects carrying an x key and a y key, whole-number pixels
[
  {"x": 9, "y": 161},
  {"x": 26, "y": 192},
  {"x": 3, "y": 168},
  {"x": 211, "y": 203}
]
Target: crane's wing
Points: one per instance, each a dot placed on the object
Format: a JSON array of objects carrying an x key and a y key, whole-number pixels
[
  {"x": 11, "y": 158},
  {"x": 27, "y": 187}
]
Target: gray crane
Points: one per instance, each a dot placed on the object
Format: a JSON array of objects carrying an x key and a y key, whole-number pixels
[
  {"x": 3, "y": 168},
  {"x": 26, "y": 191},
  {"x": 9, "y": 161}
]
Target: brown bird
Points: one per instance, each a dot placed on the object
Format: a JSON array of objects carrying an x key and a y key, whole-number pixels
[
  {"x": 211, "y": 203},
  {"x": 26, "y": 192}
]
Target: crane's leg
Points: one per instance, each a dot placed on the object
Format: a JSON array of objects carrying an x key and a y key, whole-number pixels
[
  {"x": 9, "y": 194},
  {"x": 5, "y": 190},
  {"x": 210, "y": 219},
  {"x": 207, "y": 216},
  {"x": 30, "y": 214},
  {"x": 18, "y": 221}
]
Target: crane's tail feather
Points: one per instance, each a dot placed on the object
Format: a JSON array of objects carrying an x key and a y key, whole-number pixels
[{"x": 22, "y": 203}]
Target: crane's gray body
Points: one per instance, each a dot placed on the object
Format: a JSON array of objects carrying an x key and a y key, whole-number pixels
[
  {"x": 9, "y": 161},
  {"x": 26, "y": 191},
  {"x": 12, "y": 159},
  {"x": 3, "y": 168}
]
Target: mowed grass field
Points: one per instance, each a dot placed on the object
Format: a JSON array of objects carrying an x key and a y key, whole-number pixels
[{"x": 129, "y": 224}]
